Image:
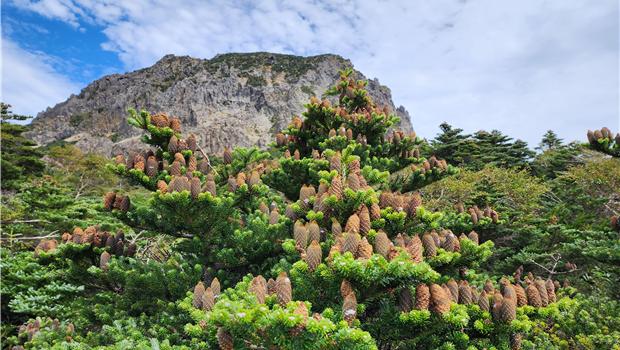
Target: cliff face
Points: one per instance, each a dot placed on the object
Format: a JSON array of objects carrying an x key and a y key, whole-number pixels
[{"x": 229, "y": 100}]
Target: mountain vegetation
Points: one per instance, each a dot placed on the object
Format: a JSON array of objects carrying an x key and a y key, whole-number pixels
[{"x": 345, "y": 233}]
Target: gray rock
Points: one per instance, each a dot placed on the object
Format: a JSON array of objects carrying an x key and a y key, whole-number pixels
[{"x": 229, "y": 100}]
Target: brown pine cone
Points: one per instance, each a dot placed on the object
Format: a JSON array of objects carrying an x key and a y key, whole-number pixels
[
  {"x": 108, "y": 200},
  {"x": 508, "y": 311},
  {"x": 533, "y": 296},
  {"x": 258, "y": 287},
  {"x": 521, "y": 296},
  {"x": 349, "y": 308},
  {"x": 224, "y": 339},
  {"x": 375, "y": 211},
  {"x": 300, "y": 233},
  {"x": 353, "y": 224},
  {"x": 364, "y": 249},
  {"x": 364, "y": 217},
  {"x": 440, "y": 301},
  {"x": 104, "y": 261},
  {"x": 283, "y": 289},
  {"x": 336, "y": 188},
  {"x": 345, "y": 288},
  {"x": 314, "y": 231},
  {"x": 351, "y": 242},
  {"x": 483, "y": 301},
  {"x": 336, "y": 228},
  {"x": 208, "y": 299},
  {"x": 414, "y": 247},
  {"x": 454, "y": 290},
  {"x": 422, "y": 297},
  {"x": 313, "y": 255},
  {"x": 428, "y": 243},
  {"x": 382, "y": 243}
]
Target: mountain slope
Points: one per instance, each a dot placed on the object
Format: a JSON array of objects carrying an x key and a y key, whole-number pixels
[{"x": 229, "y": 100}]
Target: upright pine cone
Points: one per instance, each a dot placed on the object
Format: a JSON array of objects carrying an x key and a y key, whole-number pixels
[
  {"x": 300, "y": 233},
  {"x": 336, "y": 227},
  {"x": 382, "y": 243},
  {"x": 428, "y": 243},
  {"x": 349, "y": 308},
  {"x": 334, "y": 162},
  {"x": 422, "y": 297},
  {"x": 454, "y": 290},
  {"x": 345, "y": 288},
  {"x": 175, "y": 168},
  {"x": 497, "y": 306},
  {"x": 151, "y": 167},
  {"x": 414, "y": 247},
  {"x": 195, "y": 187},
  {"x": 508, "y": 310},
  {"x": 173, "y": 145},
  {"x": 314, "y": 231},
  {"x": 125, "y": 203},
  {"x": 473, "y": 215},
  {"x": 108, "y": 200},
  {"x": 228, "y": 156},
  {"x": 208, "y": 299},
  {"x": 542, "y": 289},
  {"x": 210, "y": 187},
  {"x": 313, "y": 255},
  {"x": 473, "y": 236},
  {"x": 483, "y": 301},
  {"x": 405, "y": 300},
  {"x": 465, "y": 296},
  {"x": 175, "y": 124},
  {"x": 119, "y": 159},
  {"x": 375, "y": 211},
  {"x": 192, "y": 164},
  {"x": 258, "y": 287},
  {"x": 440, "y": 301},
  {"x": 191, "y": 143},
  {"x": 232, "y": 184},
  {"x": 507, "y": 289},
  {"x": 451, "y": 243},
  {"x": 515, "y": 341},
  {"x": 336, "y": 187},
  {"x": 533, "y": 296},
  {"x": 162, "y": 186},
  {"x": 274, "y": 216},
  {"x": 180, "y": 158},
  {"x": 364, "y": 216},
  {"x": 104, "y": 261},
  {"x": 353, "y": 224},
  {"x": 550, "y": 291},
  {"x": 351, "y": 242},
  {"x": 488, "y": 287},
  {"x": 364, "y": 249},
  {"x": 199, "y": 290},
  {"x": 353, "y": 182},
  {"x": 271, "y": 286},
  {"x": 284, "y": 290},
  {"x": 521, "y": 296},
  {"x": 254, "y": 179},
  {"x": 224, "y": 339},
  {"x": 415, "y": 200}
]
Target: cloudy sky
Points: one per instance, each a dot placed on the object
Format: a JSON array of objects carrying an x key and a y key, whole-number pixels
[{"x": 522, "y": 67}]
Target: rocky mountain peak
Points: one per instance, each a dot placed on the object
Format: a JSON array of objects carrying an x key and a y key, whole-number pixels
[{"x": 233, "y": 99}]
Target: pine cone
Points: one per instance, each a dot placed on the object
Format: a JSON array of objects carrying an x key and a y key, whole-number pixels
[
  {"x": 483, "y": 301},
  {"x": 104, "y": 261},
  {"x": 175, "y": 124},
  {"x": 125, "y": 203},
  {"x": 488, "y": 287},
  {"x": 240, "y": 180},
  {"x": 300, "y": 233},
  {"x": 351, "y": 242},
  {"x": 224, "y": 339},
  {"x": 364, "y": 249},
  {"x": 405, "y": 300},
  {"x": 313, "y": 255},
  {"x": 195, "y": 187},
  {"x": 414, "y": 247},
  {"x": 349, "y": 308},
  {"x": 542, "y": 290},
  {"x": 454, "y": 290},
  {"x": 429, "y": 245},
  {"x": 515, "y": 341},
  {"x": 415, "y": 200},
  {"x": 335, "y": 162},
  {"x": 254, "y": 179},
  {"x": 521, "y": 296},
  {"x": 451, "y": 243},
  {"x": 473, "y": 215},
  {"x": 192, "y": 164},
  {"x": 296, "y": 155},
  {"x": 175, "y": 169},
  {"x": 119, "y": 159},
  {"x": 422, "y": 297},
  {"x": 507, "y": 289},
  {"x": 314, "y": 231},
  {"x": 382, "y": 243},
  {"x": 550, "y": 291},
  {"x": 305, "y": 193},
  {"x": 353, "y": 224},
  {"x": 465, "y": 296},
  {"x": 210, "y": 187},
  {"x": 274, "y": 217},
  {"x": 290, "y": 213},
  {"x": 473, "y": 236},
  {"x": 355, "y": 166},
  {"x": 364, "y": 217},
  {"x": 283, "y": 290},
  {"x": 199, "y": 290},
  {"x": 131, "y": 250},
  {"x": 258, "y": 287},
  {"x": 162, "y": 186},
  {"x": 232, "y": 184},
  {"x": 178, "y": 157},
  {"x": 375, "y": 211},
  {"x": 336, "y": 187},
  {"x": 271, "y": 286},
  {"x": 440, "y": 301},
  {"x": 508, "y": 310},
  {"x": 151, "y": 167},
  {"x": 208, "y": 299},
  {"x": 497, "y": 306},
  {"x": 215, "y": 286},
  {"x": 228, "y": 156},
  {"x": 336, "y": 228},
  {"x": 345, "y": 288},
  {"x": 173, "y": 145},
  {"x": 533, "y": 296},
  {"x": 108, "y": 200},
  {"x": 191, "y": 143},
  {"x": 281, "y": 139}
]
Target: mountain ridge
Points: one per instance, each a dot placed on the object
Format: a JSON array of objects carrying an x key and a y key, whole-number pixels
[{"x": 232, "y": 99}]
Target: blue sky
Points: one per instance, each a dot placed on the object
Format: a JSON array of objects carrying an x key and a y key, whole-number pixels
[{"x": 522, "y": 67}]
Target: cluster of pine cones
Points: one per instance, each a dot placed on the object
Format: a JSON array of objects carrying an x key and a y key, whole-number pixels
[
  {"x": 204, "y": 298},
  {"x": 112, "y": 200},
  {"x": 604, "y": 133},
  {"x": 431, "y": 164},
  {"x": 501, "y": 303},
  {"x": 476, "y": 214},
  {"x": 161, "y": 120},
  {"x": 33, "y": 327}
]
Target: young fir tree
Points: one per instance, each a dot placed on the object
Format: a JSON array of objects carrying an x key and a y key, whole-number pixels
[
  {"x": 19, "y": 157},
  {"x": 321, "y": 242}
]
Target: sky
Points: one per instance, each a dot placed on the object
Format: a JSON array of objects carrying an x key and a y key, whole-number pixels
[{"x": 521, "y": 67}]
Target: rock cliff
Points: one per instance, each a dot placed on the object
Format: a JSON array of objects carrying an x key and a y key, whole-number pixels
[{"x": 237, "y": 99}]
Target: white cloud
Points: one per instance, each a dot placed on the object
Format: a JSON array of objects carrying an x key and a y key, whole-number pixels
[
  {"x": 521, "y": 67},
  {"x": 29, "y": 83}
]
